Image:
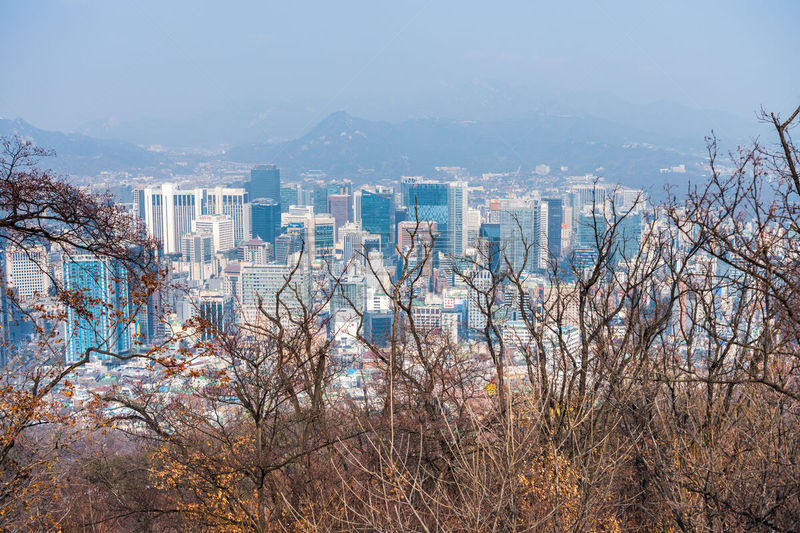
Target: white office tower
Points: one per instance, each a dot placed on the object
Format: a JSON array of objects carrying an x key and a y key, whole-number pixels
[
  {"x": 302, "y": 217},
  {"x": 266, "y": 286},
  {"x": 324, "y": 236},
  {"x": 168, "y": 212},
  {"x": 220, "y": 227},
  {"x": 592, "y": 195},
  {"x": 626, "y": 198},
  {"x": 352, "y": 242},
  {"x": 473, "y": 226},
  {"x": 234, "y": 202},
  {"x": 377, "y": 274},
  {"x": 197, "y": 254},
  {"x": 479, "y": 303},
  {"x": 540, "y": 229},
  {"x": 523, "y": 233},
  {"x": 256, "y": 251},
  {"x": 27, "y": 272},
  {"x": 357, "y": 207},
  {"x": 457, "y": 228}
]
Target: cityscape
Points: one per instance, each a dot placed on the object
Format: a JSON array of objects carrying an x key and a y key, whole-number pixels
[
  {"x": 230, "y": 303},
  {"x": 230, "y": 250}
]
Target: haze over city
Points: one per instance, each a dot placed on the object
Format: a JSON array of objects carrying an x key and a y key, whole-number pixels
[
  {"x": 395, "y": 267},
  {"x": 186, "y": 72}
]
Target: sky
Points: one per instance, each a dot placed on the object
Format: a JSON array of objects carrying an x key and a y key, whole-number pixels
[{"x": 70, "y": 63}]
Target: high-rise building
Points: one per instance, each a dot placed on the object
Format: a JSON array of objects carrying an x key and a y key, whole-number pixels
[
  {"x": 168, "y": 212},
  {"x": 5, "y": 309},
  {"x": 197, "y": 251},
  {"x": 457, "y": 209},
  {"x": 302, "y": 220},
  {"x": 349, "y": 294},
  {"x": 266, "y": 219},
  {"x": 320, "y": 198},
  {"x": 234, "y": 202},
  {"x": 265, "y": 182},
  {"x": 523, "y": 233},
  {"x": 263, "y": 285},
  {"x": 220, "y": 227},
  {"x": 428, "y": 200},
  {"x": 555, "y": 223},
  {"x": 628, "y": 236},
  {"x": 289, "y": 243},
  {"x": 591, "y": 196},
  {"x": 217, "y": 311},
  {"x": 289, "y": 197},
  {"x": 340, "y": 207},
  {"x": 322, "y": 190},
  {"x": 591, "y": 231},
  {"x": 357, "y": 243},
  {"x": 490, "y": 247},
  {"x": 324, "y": 236},
  {"x": 474, "y": 221},
  {"x": 479, "y": 300},
  {"x": 99, "y": 320},
  {"x": 378, "y": 327},
  {"x": 27, "y": 272},
  {"x": 421, "y": 233},
  {"x": 256, "y": 251},
  {"x": 376, "y": 215}
]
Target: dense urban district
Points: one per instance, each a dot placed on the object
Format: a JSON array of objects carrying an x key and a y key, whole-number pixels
[{"x": 449, "y": 353}]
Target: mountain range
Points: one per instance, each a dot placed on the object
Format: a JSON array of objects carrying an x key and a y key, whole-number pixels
[
  {"x": 81, "y": 155},
  {"x": 626, "y": 150},
  {"x": 363, "y": 150}
]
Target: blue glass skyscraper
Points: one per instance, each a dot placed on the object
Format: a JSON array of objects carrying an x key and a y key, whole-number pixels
[
  {"x": 427, "y": 200},
  {"x": 266, "y": 219},
  {"x": 377, "y": 212},
  {"x": 99, "y": 318},
  {"x": 265, "y": 182}
]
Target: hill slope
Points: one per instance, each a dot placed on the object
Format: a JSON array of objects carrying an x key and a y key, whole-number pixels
[
  {"x": 347, "y": 146},
  {"x": 78, "y": 154}
]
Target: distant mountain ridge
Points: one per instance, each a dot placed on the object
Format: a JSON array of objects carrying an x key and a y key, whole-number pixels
[
  {"x": 345, "y": 146},
  {"x": 78, "y": 154}
]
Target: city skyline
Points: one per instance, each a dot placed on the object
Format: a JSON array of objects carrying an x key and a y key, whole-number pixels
[{"x": 417, "y": 266}]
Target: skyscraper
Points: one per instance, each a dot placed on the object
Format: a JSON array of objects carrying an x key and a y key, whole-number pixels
[
  {"x": 324, "y": 240},
  {"x": 457, "y": 209},
  {"x": 428, "y": 200},
  {"x": 263, "y": 285},
  {"x": 421, "y": 233},
  {"x": 5, "y": 348},
  {"x": 220, "y": 227},
  {"x": 168, "y": 212},
  {"x": 340, "y": 206},
  {"x": 523, "y": 233},
  {"x": 197, "y": 251},
  {"x": 377, "y": 212},
  {"x": 490, "y": 247},
  {"x": 265, "y": 182},
  {"x": 266, "y": 219},
  {"x": 591, "y": 231},
  {"x": 100, "y": 320},
  {"x": 555, "y": 222},
  {"x": 289, "y": 197},
  {"x": 234, "y": 202},
  {"x": 26, "y": 272},
  {"x": 216, "y": 309}
]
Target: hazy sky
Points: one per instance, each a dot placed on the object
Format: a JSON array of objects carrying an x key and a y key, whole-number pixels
[{"x": 69, "y": 62}]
